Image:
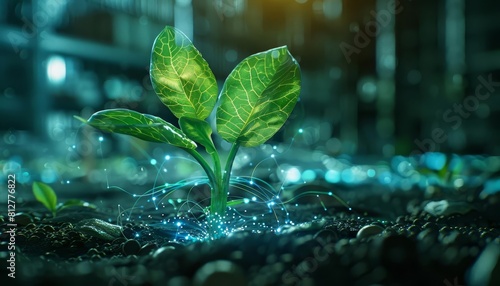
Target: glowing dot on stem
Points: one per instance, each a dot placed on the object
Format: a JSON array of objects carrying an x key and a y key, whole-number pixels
[
  {"x": 272, "y": 155},
  {"x": 167, "y": 157},
  {"x": 246, "y": 201},
  {"x": 101, "y": 139},
  {"x": 301, "y": 130},
  {"x": 154, "y": 198},
  {"x": 178, "y": 224},
  {"x": 275, "y": 147},
  {"x": 254, "y": 199},
  {"x": 153, "y": 162}
]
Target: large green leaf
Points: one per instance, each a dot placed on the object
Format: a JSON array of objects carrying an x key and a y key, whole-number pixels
[
  {"x": 258, "y": 96},
  {"x": 198, "y": 130},
  {"x": 46, "y": 195},
  {"x": 181, "y": 77},
  {"x": 144, "y": 126}
]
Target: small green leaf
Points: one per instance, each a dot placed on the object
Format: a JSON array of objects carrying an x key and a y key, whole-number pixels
[
  {"x": 143, "y": 126},
  {"x": 199, "y": 131},
  {"x": 181, "y": 77},
  {"x": 46, "y": 195},
  {"x": 258, "y": 97},
  {"x": 74, "y": 203}
]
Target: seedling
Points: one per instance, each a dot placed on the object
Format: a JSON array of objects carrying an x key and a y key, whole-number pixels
[
  {"x": 47, "y": 196},
  {"x": 254, "y": 103}
]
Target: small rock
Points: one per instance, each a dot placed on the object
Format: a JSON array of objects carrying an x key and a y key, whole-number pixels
[
  {"x": 22, "y": 219},
  {"x": 131, "y": 247},
  {"x": 148, "y": 248},
  {"x": 220, "y": 272},
  {"x": 369, "y": 230},
  {"x": 163, "y": 252},
  {"x": 99, "y": 228},
  {"x": 445, "y": 208}
]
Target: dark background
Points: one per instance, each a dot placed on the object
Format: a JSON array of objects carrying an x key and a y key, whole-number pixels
[{"x": 379, "y": 77}]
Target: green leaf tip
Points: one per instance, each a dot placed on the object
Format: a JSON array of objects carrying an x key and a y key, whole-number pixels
[
  {"x": 181, "y": 77},
  {"x": 45, "y": 195},
  {"x": 143, "y": 126},
  {"x": 80, "y": 119},
  {"x": 258, "y": 97}
]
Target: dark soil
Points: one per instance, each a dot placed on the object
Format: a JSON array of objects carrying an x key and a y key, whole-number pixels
[{"x": 383, "y": 241}]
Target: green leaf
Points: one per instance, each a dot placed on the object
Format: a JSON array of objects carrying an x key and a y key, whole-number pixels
[
  {"x": 46, "y": 195},
  {"x": 258, "y": 97},
  {"x": 181, "y": 77},
  {"x": 74, "y": 203},
  {"x": 143, "y": 126},
  {"x": 199, "y": 131}
]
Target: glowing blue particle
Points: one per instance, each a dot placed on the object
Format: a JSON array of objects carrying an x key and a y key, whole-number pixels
[
  {"x": 153, "y": 162},
  {"x": 136, "y": 235},
  {"x": 293, "y": 175},
  {"x": 272, "y": 155},
  {"x": 308, "y": 175},
  {"x": 101, "y": 139},
  {"x": 178, "y": 224},
  {"x": 370, "y": 173},
  {"x": 254, "y": 218},
  {"x": 74, "y": 146},
  {"x": 246, "y": 201},
  {"x": 251, "y": 182},
  {"x": 167, "y": 157},
  {"x": 330, "y": 193},
  {"x": 154, "y": 198},
  {"x": 301, "y": 130},
  {"x": 275, "y": 147},
  {"x": 254, "y": 199},
  {"x": 332, "y": 176}
]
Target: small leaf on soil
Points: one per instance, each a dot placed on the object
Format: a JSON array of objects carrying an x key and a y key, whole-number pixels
[{"x": 46, "y": 195}]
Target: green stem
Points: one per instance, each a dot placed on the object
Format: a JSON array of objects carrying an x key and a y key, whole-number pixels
[
  {"x": 204, "y": 165},
  {"x": 229, "y": 166}
]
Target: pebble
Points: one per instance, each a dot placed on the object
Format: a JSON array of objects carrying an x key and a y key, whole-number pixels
[
  {"x": 369, "y": 230},
  {"x": 219, "y": 272},
  {"x": 148, "y": 248},
  {"x": 163, "y": 252},
  {"x": 99, "y": 228},
  {"x": 22, "y": 219},
  {"x": 131, "y": 247}
]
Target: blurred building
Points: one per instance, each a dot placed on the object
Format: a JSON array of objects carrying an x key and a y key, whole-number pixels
[{"x": 380, "y": 77}]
